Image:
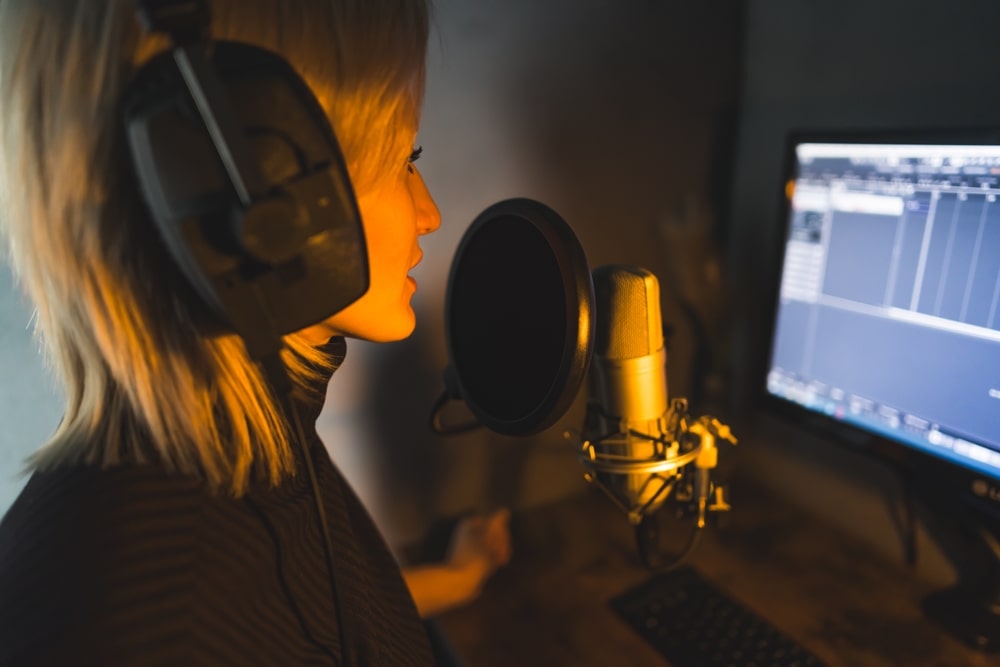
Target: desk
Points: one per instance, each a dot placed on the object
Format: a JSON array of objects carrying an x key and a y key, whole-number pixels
[{"x": 841, "y": 600}]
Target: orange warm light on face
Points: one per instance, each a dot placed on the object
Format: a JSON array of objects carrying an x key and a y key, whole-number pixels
[
  {"x": 394, "y": 216},
  {"x": 790, "y": 189}
]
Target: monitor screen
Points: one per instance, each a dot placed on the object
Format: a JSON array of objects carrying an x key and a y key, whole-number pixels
[{"x": 888, "y": 304}]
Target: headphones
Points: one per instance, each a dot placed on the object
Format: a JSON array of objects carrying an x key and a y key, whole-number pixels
[
  {"x": 246, "y": 184},
  {"x": 244, "y": 179}
]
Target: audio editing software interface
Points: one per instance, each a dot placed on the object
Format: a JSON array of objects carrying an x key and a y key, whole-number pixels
[{"x": 889, "y": 308}]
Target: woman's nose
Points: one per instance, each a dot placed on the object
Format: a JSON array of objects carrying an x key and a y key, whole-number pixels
[{"x": 428, "y": 215}]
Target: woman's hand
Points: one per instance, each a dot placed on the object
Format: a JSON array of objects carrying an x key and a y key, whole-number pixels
[{"x": 479, "y": 546}]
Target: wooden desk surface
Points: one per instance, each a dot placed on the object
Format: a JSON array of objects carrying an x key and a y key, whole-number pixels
[{"x": 845, "y": 603}]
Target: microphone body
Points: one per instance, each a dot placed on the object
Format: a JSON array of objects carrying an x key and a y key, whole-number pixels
[
  {"x": 630, "y": 383},
  {"x": 639, "y": 446}
]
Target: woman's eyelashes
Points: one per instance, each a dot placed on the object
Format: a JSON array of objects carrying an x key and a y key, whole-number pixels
[{"x": 414, "y": 156}]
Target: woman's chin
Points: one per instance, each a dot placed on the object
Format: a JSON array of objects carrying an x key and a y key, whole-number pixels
[
  {"x": 391, "y": 334},
  {"x": 385, "y": 330},
  {"x": 382, "y": 325}
]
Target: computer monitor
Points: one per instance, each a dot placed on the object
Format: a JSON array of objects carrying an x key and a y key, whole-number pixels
[{"x": 887, "y": 304}]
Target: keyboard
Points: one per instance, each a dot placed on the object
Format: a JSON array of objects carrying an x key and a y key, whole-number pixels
[{"x": 692, "y": 623}]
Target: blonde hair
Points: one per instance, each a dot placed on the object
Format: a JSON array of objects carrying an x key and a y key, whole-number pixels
[{"x": 117, "y": 323}]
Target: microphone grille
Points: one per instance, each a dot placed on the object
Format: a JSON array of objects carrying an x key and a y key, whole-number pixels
[{"x": 627, "y": 318}]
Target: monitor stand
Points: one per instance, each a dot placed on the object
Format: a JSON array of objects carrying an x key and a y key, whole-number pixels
[{"x": 970, "y": 610}]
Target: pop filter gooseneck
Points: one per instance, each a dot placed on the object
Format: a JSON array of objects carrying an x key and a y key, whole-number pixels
[{"x": 519, "y": 320}]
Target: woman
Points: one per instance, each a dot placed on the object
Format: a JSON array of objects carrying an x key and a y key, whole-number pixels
[{"x": 168, "y": 519}]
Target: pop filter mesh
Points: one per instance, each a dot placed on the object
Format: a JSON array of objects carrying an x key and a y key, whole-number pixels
[{"x": 508, "y": 322}]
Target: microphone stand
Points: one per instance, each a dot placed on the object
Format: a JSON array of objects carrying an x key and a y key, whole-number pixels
[{"x": 647, "y": 540}]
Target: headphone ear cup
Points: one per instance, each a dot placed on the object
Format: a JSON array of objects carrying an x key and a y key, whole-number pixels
[
  {"x": 296, "y": 255},
  {"x": 273, "y": 231}
]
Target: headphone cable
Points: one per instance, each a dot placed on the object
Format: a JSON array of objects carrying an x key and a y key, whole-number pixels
[{"x": 276, "y": 372}]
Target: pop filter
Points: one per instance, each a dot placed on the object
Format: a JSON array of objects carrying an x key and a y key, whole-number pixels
[{"x": 519, "y": 318}]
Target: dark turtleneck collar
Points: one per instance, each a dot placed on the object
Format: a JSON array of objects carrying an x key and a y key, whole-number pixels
[{"x": 309, "y": 411}]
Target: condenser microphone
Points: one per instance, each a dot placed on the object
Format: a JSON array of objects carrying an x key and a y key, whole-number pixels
[
  {"x": 632, "y": 415},
  {"x": 640, "y": 447}
]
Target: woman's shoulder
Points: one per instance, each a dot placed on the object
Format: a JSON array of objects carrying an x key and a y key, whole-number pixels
[
  {"x": 85, "y": 521},
  {"x": 86, "y": 500},
  {"x": 81, "y": 550},
  {"x": 87, "y": 530}
]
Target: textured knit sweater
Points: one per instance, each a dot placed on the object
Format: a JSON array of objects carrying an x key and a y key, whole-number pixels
[{"x": 137, "y": 566}]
